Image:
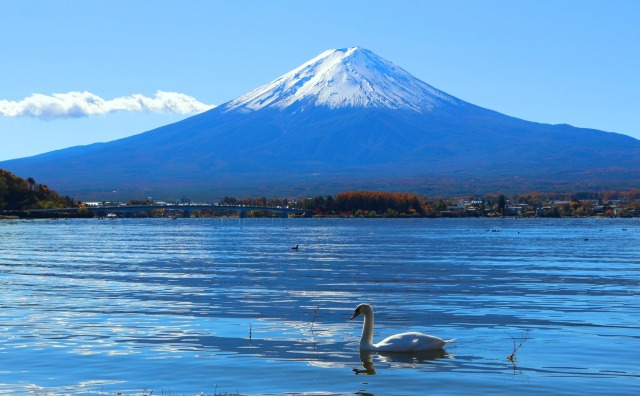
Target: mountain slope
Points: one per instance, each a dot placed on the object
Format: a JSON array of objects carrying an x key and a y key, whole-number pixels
[{"x": 347, "y": 119}]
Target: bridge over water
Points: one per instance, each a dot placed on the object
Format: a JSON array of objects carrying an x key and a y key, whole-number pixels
[{"x": 243, "y": 210}]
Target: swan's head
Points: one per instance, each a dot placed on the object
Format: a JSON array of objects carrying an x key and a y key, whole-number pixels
[{"x": 362, "y": 309}]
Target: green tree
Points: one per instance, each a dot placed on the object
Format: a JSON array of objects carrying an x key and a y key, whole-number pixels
[{"x": 20, "y": 194}]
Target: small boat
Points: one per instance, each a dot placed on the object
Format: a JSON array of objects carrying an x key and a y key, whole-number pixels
[{"x": 112, "y": 216}]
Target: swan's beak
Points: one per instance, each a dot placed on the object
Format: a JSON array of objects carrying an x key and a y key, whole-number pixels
[{"x": 356, "y": 313}]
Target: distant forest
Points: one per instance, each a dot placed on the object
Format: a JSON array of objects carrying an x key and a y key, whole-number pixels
[
  {"x": 390, "y": 204},
  {"x": 20, "y": 194},
  {"x": 370, "y": 203}
]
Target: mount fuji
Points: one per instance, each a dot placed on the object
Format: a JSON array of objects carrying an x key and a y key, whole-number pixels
[{"x": 345, "y": 120}]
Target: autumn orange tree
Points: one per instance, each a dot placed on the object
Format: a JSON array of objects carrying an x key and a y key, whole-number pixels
[{"x": 380, "y": 202}]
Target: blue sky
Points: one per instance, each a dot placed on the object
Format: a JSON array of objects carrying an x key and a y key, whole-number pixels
[{"x": 570, "y": 61}]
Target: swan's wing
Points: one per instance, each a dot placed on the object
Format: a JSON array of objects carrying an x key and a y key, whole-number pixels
[{"x": 410, "y": 342}]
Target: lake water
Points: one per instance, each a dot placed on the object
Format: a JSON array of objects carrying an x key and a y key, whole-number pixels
[{"x": 204, "y": 306}]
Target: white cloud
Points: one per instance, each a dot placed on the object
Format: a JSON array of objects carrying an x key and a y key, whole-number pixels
[{"x": 84, "y": 104}]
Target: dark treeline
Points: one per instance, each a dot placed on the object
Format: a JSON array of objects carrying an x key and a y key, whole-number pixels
[
  {"x": 390, "y": 204},
  {"x": 358, "y": 203},
  {"x": 259, "y": 201},
  {"x": 20, "y": 194},
  {"x": 386, "y": 204},
  {"x": 369, "y": 203}
]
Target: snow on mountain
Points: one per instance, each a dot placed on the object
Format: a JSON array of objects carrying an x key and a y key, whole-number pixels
[{"x": 353, "y": 77}]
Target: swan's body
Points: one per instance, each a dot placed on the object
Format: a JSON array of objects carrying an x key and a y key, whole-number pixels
[{"x": 403, "y": 342}]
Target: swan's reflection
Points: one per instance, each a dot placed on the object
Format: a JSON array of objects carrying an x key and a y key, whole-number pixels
[{"x": 409, "y": 359}]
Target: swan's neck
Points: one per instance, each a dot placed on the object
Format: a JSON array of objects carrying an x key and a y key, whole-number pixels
[{"x": 366, "y": 341}]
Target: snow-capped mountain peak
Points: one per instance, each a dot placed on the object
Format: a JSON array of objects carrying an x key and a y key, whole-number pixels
[{"x": 350, "y": 77}]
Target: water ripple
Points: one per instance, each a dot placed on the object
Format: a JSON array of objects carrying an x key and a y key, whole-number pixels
[{"x": 172, "y": 304}]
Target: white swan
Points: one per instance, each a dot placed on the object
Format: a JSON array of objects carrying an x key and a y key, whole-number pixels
[{"x": 403, "y": 342}]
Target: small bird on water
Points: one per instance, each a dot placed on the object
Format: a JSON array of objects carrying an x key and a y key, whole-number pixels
[{"x": 294, "y": 247}]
